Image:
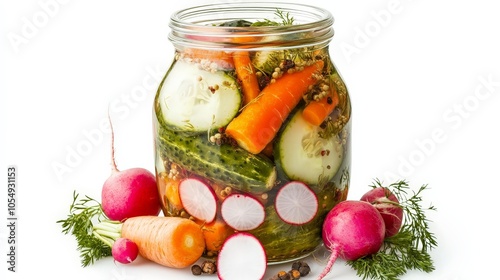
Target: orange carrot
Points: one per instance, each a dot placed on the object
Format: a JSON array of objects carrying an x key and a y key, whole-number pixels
[
  {"x": 246, "y": 73},
  {"x": 221, "y": 58},
  {"x": 215, "y": 234},
  {"x": 169, "y": 188},
  {"x": 261, "y": 119},
  {"x": 169, "y": 241},
  {"x": 317, "y": 110}
]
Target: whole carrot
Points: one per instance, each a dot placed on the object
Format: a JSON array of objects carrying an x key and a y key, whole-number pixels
[
  {"x": 261, "y": 119},
  {"x": 169, "y": 241}
]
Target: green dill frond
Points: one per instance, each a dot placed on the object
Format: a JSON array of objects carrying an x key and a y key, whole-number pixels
[
  {"x": 83, "y": 214},
  {"x": 409, "y": 248}
]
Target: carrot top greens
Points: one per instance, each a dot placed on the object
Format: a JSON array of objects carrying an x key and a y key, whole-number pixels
[
  {"x": 79, "y": 223},
  {"x": 409, "y": 248}
]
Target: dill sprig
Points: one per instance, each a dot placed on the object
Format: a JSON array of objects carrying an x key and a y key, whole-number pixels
[
  {"x": 80, "y": 223},
  {"x": 285, "y": 18},
  {"x": 409, "y": 248}
]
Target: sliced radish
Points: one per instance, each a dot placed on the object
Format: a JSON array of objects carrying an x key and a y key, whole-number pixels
[
  {"x": 242, "y": 257},
  {"x": 242, "y": 212},
  {"x": 296, "y": 203},
  {"x": 198, "y": 199}
]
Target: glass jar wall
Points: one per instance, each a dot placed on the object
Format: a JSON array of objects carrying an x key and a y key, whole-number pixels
[{"x": 252, "y": 125}]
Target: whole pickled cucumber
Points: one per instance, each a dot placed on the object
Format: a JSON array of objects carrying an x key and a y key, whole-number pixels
[{"x": 225, "y": 164}]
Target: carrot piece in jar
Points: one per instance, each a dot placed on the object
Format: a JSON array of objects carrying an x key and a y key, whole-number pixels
[
  {"x": 318, "y": 110},
  {"x": 260, "y": 120},
  {"x": 247, "y": 75}
]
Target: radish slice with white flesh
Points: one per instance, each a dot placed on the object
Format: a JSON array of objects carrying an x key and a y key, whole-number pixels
[
  {"x": 242, "y": 257},
  {"x": 242, "y": 212},
  {"x": 198, "y": 199},
  {"x": 296, "y": 203}
]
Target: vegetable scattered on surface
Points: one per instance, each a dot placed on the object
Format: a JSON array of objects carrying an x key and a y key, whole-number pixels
[
  {"x": 241, "y": 257},
  {"x": 169, "y": 241},
  {"x": 388, "y": 206},
  {"x": 351, "y": 230},
  {"x": 410, "y": 248},
  {"x": 129, "y": 193},
  {"x": 124, "y": 250},
  {"x": 83, "y": 214}
]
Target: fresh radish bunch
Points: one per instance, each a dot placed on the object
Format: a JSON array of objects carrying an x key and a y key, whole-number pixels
[
  {"x": 388, "y": 206},
  {"x": 129, "y": 193},
  {"x": 242, "y": 257},
  {"x": 124, "y": 250},
  {"x": 351, "y": 230}
]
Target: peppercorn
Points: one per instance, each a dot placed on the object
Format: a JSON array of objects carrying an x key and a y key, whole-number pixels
[
  {"x": 208, "y": 267},
  {"x": 196, "y": 269},
  {"x": 283, "y": 275},
  {"x": 302, "y": 267},
  {"x": 294, "y": 274}
]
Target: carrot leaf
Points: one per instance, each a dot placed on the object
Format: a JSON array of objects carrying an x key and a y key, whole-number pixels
[{"x": 83, "y": 213}]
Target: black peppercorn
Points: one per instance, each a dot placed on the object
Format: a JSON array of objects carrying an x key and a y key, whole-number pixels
[{"x": 196, "y": 269}]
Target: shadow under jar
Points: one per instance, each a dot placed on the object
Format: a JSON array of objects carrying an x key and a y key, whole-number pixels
[{"x": 253, "y": 108}]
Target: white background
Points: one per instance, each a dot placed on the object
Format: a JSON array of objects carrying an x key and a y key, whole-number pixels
[{"x": 414, "y": 70}]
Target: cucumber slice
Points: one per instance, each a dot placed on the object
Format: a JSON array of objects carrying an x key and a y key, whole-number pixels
[
  {"x": 198, "y": 100},
  {"x": 306, "y": 157}
]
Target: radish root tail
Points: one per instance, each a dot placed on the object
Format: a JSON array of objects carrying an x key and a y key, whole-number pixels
[
  {"x": 331, "y": 260},
  {"x": 113, "y": 163}
]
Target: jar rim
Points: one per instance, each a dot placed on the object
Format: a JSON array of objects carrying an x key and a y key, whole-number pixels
[{"x": 199, "y": 26}]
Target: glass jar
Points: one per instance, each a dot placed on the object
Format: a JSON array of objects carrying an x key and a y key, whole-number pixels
[{"x": 252, "y": 125}]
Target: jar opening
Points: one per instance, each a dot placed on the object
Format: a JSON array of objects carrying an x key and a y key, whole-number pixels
[{"x": 296, "y": 25}]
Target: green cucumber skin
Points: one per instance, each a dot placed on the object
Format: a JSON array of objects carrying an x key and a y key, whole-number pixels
[
  {"x": 224, "y": 164},
  {"x": 283, "y": 241}
]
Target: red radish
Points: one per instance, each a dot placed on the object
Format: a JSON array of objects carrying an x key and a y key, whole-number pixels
[
  {"x": 351, "y": 230},
  {"x": 296, "y": 203},
  {"x": 242, "y": 257},
  {"x": 124, "y": 250},
  {"x": 242, "y": 212},
  {"x": 129, "y": 193},
  {"x": 198, "y": 199},
  {"x": 388, "y": 206}
]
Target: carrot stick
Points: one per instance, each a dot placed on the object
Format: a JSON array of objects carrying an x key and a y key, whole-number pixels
[
  {"x": 169, "y": 241},
  {"x": 221, "y": 58},
  {"x": 246, "y": 73},
  {"x": 169, "y": 187},
  {"x": 261, "y": 119},
  {"x": 317, "y": 111}
]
